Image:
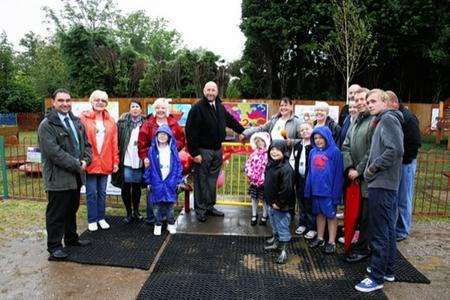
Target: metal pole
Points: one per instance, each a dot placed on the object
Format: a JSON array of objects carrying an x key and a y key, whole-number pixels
[{"x": 3, "y": 168}]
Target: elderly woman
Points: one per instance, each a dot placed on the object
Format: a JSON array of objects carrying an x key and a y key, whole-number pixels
[
  {"x": 284, "y": 121},
  {"x": 148, "y": 131},
  {"x": 101, "y": 132},
  {"x": 129, "y": 176},
  {"x": 322, "y": 110}
]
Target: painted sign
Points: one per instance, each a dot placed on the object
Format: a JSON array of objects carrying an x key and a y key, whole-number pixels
[
  {"x": 178, "y": 110},
  {"x": 248, "y": 114}
]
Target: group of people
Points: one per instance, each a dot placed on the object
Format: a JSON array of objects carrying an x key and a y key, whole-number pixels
[{"x": 292, "y": 161}]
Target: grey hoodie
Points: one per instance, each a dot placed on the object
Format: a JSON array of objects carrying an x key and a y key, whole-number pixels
[{"x": 386, "y": 151}]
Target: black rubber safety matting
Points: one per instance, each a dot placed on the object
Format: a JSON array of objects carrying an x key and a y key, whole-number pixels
[
  {"x": 123, "y": 245},
  {"x": 236, "y": 267}
]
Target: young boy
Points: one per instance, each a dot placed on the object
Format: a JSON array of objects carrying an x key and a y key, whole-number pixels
[
  {"x": 279, "y": 196},
  {"x": 324, "y": 185},
  {"x": 163, "y": 175},
  {"x": 382, "y": 174},
  {"x": 301, "y": 153}
]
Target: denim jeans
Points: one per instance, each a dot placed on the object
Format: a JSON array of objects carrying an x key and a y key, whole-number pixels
[
  {"x": 405, "y": 199},
  {"x": 96, "y": 196},
  {"x": 163, "y": 211},
  {"x": 382, "y": 215},
  {"x": 150, "y": 214},
  {"x": 280, "y": 221}
]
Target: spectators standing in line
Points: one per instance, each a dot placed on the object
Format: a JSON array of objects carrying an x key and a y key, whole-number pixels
[
  {"x": 355, "y": 150},
  {"x": 344, "y": 111},
  {"x": 324, "y": 186},
  {"x": 101, "y": 132},
  {"x": 164, "y": 175},
  {"x": 411, "y": 145},
  {"x": 349, "y": 121},
  {"x": 148, "y": 131},
  {"x": 382, "y": 173},
  {"x": 65, "y": 155},
  {"x": 129, "y": 176},
  {"x": 254, "y": 169},
  {"x": 205, "y": 132},
  {"x": 279, "y": 196},
  {"x": 322, "y": 109},
  {"x": 307, "y": 222}
]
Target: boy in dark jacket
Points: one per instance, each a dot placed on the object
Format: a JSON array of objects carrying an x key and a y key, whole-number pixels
[
  {"x": 163, "y": 175},
  {"x": 279, "y": 197},
  {"x": 324, "y": 185}
]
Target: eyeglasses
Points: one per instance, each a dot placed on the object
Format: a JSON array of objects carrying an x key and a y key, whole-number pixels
[{"x": 104, "y": 101}]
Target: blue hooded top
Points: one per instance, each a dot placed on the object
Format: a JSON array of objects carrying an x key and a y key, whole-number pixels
[
  {"x": 326, "y": 173},
  {"x": 163, "y": 190}
]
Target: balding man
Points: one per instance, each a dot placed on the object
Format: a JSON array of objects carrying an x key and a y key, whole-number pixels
[
  {"x": 205, "y": 132},
  {"x": 351, "y": 94},
  {"x": 411, "y": 144}
]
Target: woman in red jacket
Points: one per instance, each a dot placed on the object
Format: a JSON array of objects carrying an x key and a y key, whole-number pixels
[
  {"x": 101, "y": 132},
  {"x": 148, "y": 131}
]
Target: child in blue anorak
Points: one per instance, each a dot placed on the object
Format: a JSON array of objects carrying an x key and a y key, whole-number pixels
[
  {"x": 164, "y": 175},
  {"x": 324, "y": 185}
]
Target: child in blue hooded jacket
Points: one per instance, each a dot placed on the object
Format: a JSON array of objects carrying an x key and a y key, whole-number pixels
[
  {"x": 324, "y": 185},
  {"x": 164, "y": 176}
]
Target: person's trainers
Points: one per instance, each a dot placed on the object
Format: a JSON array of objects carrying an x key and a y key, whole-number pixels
[
  {"x": 92, "y": 227},
  {"x": 103, "y": 224},
  {"x": 389, "y": 278},
  {"x": 329, "y": 248},
  {"x": 341, "y": 240},
  {"x": 368, "y": 285},
  {"x": 310, "y": 235},
  {"x": 340, "y": 216},
  {"x": 316, "y": 243},
  {"x": 300, "y": 230},
  {"x": 172, "y": 228},
  {"x": 157, "y": 230},
  {"x": 254, "y": 220}
]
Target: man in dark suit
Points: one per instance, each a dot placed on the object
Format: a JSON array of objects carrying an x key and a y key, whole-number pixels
[
  {"x": 205, "y": 132},
  {"x": 65, "y": 154}
]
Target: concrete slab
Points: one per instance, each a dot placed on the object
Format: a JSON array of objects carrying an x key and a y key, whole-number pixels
[{"x": 235, "y": 222}]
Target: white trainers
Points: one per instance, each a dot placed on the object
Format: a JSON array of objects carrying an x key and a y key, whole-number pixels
[
  {"x": 341, "y": 240},
  {"x": 340, "y": 216},
  {"x": 310, "y": 235},
  {"x": 300, "y": 230},
  {"x": 172, "y": 228},
  {"x": 103, "y": 224},
  {"x": 157, "y": 230},
  {"x": 92, "y": 227}
]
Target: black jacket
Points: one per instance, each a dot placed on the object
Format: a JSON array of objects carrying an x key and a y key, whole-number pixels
[
  {"x": 411, "y": 133},
  {"x": 124, "y": 129},
  {"x": 298, "y": 148},
  {"x": 60, "y": 167},
  {"x": 205, "y": 127},
  {"x": 279, "y": 180}
]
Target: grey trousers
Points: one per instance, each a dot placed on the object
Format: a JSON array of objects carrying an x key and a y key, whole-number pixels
[{"x": 205, "y": 180}]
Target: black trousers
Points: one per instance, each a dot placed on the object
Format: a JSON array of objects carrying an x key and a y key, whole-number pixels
[
  {"x": 205, "y": 180},
  {"x": 60, "y": 218},
  {"x": 131, "y": 195}
]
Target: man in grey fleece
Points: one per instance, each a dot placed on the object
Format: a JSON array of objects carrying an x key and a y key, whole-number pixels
[{"x": 382, "y": 174}]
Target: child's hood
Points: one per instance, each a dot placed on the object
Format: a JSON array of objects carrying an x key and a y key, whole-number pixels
[
  {"x": 166, "y": 129},
  {"x": 325, "y": 132},
  {"x": 280, "y": 145},
  {"x": 262, "y": 135}
]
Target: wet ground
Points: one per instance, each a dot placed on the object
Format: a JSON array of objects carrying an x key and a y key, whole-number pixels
[{"x": 26, "y": 273}]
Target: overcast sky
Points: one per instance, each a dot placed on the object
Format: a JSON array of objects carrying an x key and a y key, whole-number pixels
[{"x": 211, "y": 24}]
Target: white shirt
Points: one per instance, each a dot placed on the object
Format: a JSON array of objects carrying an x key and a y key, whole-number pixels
[
  {"x": 164, "y": 160},
  {"x": 72, "y": 126},
  {"x": 100, "y": 132},
  {"x": 302, "y": 162},
  {"x": 131, "y": 158},
  {"x": 275, "y": 134}
]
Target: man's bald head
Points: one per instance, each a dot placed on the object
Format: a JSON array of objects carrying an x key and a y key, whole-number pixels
[{"x": 210, "y": 91}]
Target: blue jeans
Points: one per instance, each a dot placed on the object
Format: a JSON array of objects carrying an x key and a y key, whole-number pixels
[
  {"x": 96, "y": 196},
  {"x": 163, "y": 211},
  {"x": 306, "y": 217},
  {"x": 150, "y": 215},
  {"x": 405, "y": 199},
  {"x": 382, "y": 214},
  {"x": 280, "y": 221}
]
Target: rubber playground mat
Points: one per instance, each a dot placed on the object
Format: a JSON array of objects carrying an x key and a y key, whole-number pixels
[
  {"x": 230, "y": 267},
  {"x": 123, "y": 245}
]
